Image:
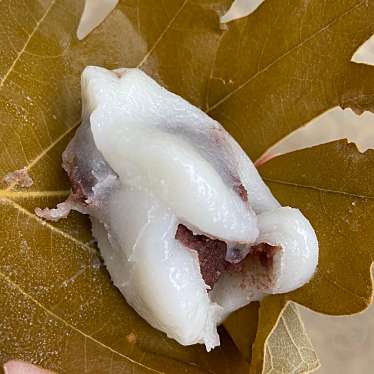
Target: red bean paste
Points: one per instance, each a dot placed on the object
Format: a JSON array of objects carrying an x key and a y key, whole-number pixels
[
  {"x": 265, "y": 253},
  {"x": 212, "y": 253},
  {"x": 240, "y": 189},
  {"x": 81, "y": 183}
]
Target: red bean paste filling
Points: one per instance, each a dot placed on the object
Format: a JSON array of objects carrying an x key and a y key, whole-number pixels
[
  {"x": 212, "y": 253},
  {"x": 265, "y": 253},
  {"x": 81, "y": 184},
  {"x": 240, "y": 189}
]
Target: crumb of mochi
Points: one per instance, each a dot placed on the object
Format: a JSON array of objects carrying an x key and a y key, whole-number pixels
[{"x": 18, "y": 178}]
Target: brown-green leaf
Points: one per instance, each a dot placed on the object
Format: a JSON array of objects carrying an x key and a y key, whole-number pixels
[{"x": 262, "y": 77}]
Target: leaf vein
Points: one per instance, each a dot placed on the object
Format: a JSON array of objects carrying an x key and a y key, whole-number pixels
[
  {"x": 50, "y": 147},
  {"x": 343, "y": 288},
  {"x": 292, "y": 340},
  {"x": 31, "y": 194},
  {"x": 20, "y": 53},
  {"x": 8, "y": 281},
  {"x": 317, "y": 188},
  {"x": 285, "y": 54},
  {"x": 45, "y": 223},
  {"x": 168, "y": 26}
]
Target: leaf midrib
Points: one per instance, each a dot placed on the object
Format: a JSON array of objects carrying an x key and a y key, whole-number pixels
[{"x": 14, "y": 195}]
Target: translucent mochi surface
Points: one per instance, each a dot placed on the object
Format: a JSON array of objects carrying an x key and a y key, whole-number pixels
[
  {"x": 169, "y": 168},
  {"x": 293, "y": 264},
  {"x": 144, "y": 164},
  {"x": 297, "y": 260},
  {"x": 165, "y": 164},
  {"x": 160, "y": 278}
]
